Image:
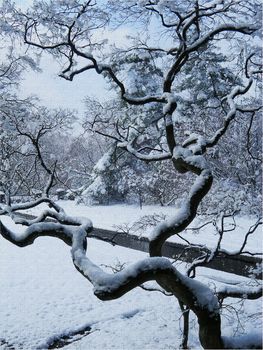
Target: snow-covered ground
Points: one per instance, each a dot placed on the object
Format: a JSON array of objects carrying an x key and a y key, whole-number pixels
[{"x": 43, "y": 297}]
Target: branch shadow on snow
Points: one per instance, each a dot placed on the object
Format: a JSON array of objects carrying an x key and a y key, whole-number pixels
[{"x": 58, "y": 342}]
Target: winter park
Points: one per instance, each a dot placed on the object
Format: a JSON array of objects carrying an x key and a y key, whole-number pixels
[{"x": 130, "y": 174}]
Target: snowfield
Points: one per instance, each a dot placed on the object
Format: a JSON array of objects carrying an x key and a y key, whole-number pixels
[{"x": 45, "y": 303}]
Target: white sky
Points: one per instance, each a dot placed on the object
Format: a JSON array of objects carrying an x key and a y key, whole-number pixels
[{"x": 54, "y": 91}]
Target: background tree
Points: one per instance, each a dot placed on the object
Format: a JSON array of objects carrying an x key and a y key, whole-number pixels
[
  {"x": 14, "y": 168},
  {"x": 29, "y": 162}
]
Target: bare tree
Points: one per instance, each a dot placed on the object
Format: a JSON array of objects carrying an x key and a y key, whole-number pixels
[
  {"x": 68, "y": 31},
  {"x": 28, "y": 164}
]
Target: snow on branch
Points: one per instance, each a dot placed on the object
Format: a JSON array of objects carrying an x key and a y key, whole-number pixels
[
  {"x": 239, "y": 291},
  {"x": 74, "y": 231},
  {"x": 63, "y": 227},
  {"x": 111, "y": 286},
  {"x": 241, "y": 28},
  {"x": 6, "y": 209},
  {"x": 183, "y": 159},
  {"x": 230, "y": 115},
  {"x": 199, "y": 144},
  {"x": 185, "y": 51},
  {"x": 152, "y": 156},
  {"x": 69, "y": 44},
  {"x": 47, "y": 229}
]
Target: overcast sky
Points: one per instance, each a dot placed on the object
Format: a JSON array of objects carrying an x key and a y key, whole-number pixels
[
  {"x": 54, "y": 91},
  {"x": 57, "y": 92}
]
